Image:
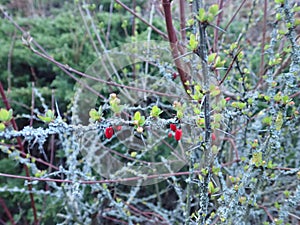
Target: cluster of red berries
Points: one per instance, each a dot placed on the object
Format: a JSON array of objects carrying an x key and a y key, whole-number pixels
[
  {"x": 109, "y": 131},
  {"x": 178, "y": 132}
]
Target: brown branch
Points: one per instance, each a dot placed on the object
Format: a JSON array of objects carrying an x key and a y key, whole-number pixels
[
  {"x": 9, "y": 60},
  {"x": 68, "y": 69},
  {"x": 235, "y": 14},
  {"x": 174, "y": 44},
  {"x": 21, "y": 147},
  {"x": 6, "y": 210},
  {"x": 182, "y": 20},
  {"x": 154, "y": 176},
  {"x": 216, "y": 31},
  {"x": 267, "y": 212},
  {"x": 230, "y": 67},
  {"x": 142, "y": 19},
  {"x": 262, "y": 54}
]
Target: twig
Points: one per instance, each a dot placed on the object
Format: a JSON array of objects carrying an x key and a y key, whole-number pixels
[
  {"x": 70, "y": 69},
  {"x": 9, "y": 59},
  {"x": 267, "y": 212},
  {"x": 182, "y": 20},
  {"x": 6, "y": 210},
  {"x": 142, "y": 19},
  {"x": 235, "y": 14},
  {"x": 154, "y": 176},
  {"x": 184, "y": 77},
  {"x": 21, "y": 147},
  {"x": 208, "y": 155},
  {"x": 262, "y": 54},
  {"x": 230, "y": 67},
  {"x": 216, "y": 31}
]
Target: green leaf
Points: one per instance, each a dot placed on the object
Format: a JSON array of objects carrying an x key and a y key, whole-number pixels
[
  {"x": 257, "y": 158},
  {"x": 137, "y": 116},
  {"x": 214, "y": 9},
  {"x": 142, "y": 121},
  {"x": 211, "y": 188},
  {"x": 94, "y": 115},
  {"x": 193, "y": 44},
  {"x": 211, "y": 57},
  {"x": 49, "y": 116},
  {"x": 133, "y": 154},
  {"x": 5, "y": 115},
  {"x": 267, "y": 120},
  {"x": 214, "y": 90},
  {"x": 219, "y": 62},
  {"x": 2, "y": 126},
  {"x": 201, "y": 16},
  {"x": 45, "y": 119},
  {"x": 242, "y": 105},
  {"x": 278, "y": 16},
  {"x": 279, "y": 121},
  {"x": 155, "y": 111},
  {"x": 217, "y": 117},
  {"x": 285, "y": 99}
]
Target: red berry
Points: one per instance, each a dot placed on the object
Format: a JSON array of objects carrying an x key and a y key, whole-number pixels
[
  {"x": 213, "y": 137},
  {"x": 170, "y": 135},
  {"x": 173, "y": 127},
  {"x": 227, "y": 99},
  {"x": 119, "y": 128},
  {"x": 109, "y": 132},
  {"x": 174, "y": 75},
  {"x": 178, "y": 134}
]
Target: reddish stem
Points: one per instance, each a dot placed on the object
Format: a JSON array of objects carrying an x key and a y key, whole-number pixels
[
  {"x": 216, "y": 31},
  {"x": 267, "y": 212},
  {"x": 234, "y": 15},
  {"x": 6, "y": 210},
  {"x": 174, "y": 44},
  {"x": 182, "y": 20},
  {"x": 21, "y": 147},
  {"x": 141, "y": 19},
  {"x": 118, "y": 180},
  {"x": 262, "y": 54}
]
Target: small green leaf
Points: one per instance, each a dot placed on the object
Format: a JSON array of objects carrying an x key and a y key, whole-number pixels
[
  {"x": 5, "y": 115},
  {"x": 155, "y": 111},
  {"x": 137, "y": 116},
  {"x": 2, "y": 126},
  {"x": 214, "y": 90},
  {"x": 202, "y": 15},
  {"x": 279, "y": 121},
  {"x": 257, "y": 158},
  {"x": 242, "y": 105},
  {"x": 94, "y": 115},
  {"x": 218, "y": 62},
  {"x": 50, "y": 114},
  {"x": 193, "y": 44},
  {"x": 296, "y": 9},
  {"x": 278, "y": 16},
  {"x": 285, "y": 99},
  {"x": 214, "y": 9},
  {"x": 142, "y": 121},
  {"x": 267, "y": 120},
  {"x": 211, "y": 188},
  {"x": 217, "y": 117},
  {"x": 133, "y": 154},
  {"x": 48, "y": 117},
  {"x": 211, "y": 57},
  {"x": 190, "y": 22},
  {"x": 233, "y": 46},
  {"x": 270, "y": 165}
]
